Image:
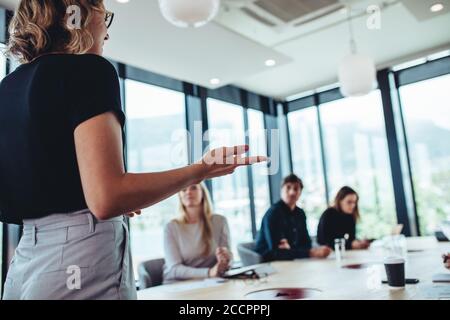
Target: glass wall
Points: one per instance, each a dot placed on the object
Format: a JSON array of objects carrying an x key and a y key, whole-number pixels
[
  {"x": 307, "y": 163},
  {"x": 2, "y": 75},
  {"x": 356, "y": 154},
  {"x": 230, "y": 193},
  {"x": 426, "y": 112},
  {"x": 156, "y": 141},
  {"x": 260, "y": 172}
]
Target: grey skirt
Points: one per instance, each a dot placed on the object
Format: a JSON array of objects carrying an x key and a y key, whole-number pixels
[{"x": 72, "y": 256}]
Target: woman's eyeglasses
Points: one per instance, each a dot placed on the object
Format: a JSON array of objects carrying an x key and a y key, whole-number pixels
[{"x": 109, "y": 16}]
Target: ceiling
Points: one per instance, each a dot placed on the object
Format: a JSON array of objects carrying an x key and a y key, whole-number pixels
[{"x": 234, "y": 47}]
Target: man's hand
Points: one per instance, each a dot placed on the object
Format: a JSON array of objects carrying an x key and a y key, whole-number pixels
[
  {"x": 320, "y": 252},
  {"x": 360, "y": 244},
  {"x": 284, "y": 244}
]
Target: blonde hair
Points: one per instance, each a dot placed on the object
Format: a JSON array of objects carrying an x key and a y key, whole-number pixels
[
  {"x": 41, "y": 26},
  {"x": 205, "y": 218}
]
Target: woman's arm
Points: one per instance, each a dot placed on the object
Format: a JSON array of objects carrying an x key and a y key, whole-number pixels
[{"x": 110, "y": 191}]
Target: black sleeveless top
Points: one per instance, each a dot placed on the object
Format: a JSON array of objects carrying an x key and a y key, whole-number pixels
[{"x": 41, "y": 104}]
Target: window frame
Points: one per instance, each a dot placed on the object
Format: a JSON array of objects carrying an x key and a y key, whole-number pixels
[
  {"x": 415, "y": 74},
  {"x": 389, "y": 82}
]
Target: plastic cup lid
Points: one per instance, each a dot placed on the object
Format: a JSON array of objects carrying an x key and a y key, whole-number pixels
[{"x": 394, "y": 260}]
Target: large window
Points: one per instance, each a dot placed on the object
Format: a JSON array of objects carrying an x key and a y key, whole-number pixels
[
  {"x": 2, "y": 75},
  {"x": 260, "y": 172},
  {"x": 156, "y": 140},
  {"x": 230, "y": 193},
  {"x": 426, "y": 111},
  {"x": 307, "y": 162},
  {"x": 357, "y": 155}
]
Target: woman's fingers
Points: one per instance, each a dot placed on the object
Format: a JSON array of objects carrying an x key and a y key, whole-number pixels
[
  {"x": 224, "y": 155},
  {"x": 223, "y": 256},
  {"x": 236, "y": 150},
  {"x": 223, "y": 161},
  {"x": 231, "y": 156},
  {"x": 245, "y": 161},
  {"x": 133, "y": 213}
]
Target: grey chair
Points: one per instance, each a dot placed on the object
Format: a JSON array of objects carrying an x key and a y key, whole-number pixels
[
  {"x": 151, "y": 273},
  {"x": 248, "y": 254}
]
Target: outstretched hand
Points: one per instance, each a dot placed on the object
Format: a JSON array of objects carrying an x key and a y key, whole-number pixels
[{"x": 223, "y": 161}]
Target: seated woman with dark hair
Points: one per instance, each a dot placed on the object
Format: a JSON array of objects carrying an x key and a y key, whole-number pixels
[{"x": 339, "y": 221}]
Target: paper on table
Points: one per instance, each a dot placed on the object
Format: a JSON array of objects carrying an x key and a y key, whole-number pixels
[
  {"x": 436, "y": 291},
  {"x": 193, "y": 285},
  {"x": 441, "y": 277}
]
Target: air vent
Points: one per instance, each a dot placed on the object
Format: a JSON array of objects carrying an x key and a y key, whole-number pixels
[
  {"x": 323, "y": 13},
  {"x": 258, "y": 17},
  {"x": 290, "y": 10},
  {"x": 273, "y": 21},
  {"x": 279, "y": 14}
]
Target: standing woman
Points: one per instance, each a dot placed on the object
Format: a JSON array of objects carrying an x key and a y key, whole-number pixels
[
  {"x": 61, "y": 171},
  {"x": 339, "y": 221},
  {"x": 197, "y": 245}
]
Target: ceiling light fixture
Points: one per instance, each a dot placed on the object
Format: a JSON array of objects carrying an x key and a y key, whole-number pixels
[
  {"x": 270, "y": 63},
  {"x": 357, "y": 72},
  {"x": 214, "y": 81},
  {"x": 185, "y": 13},
  {"x": 437, "y": 7}
]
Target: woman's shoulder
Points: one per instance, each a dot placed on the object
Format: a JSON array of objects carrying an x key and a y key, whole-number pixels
[
  {"x": 171, "y": 225},
  {"x": 91, "y": 64},
  {"x": 217, "y": 218},
  {"x": 330, "y": 212},
  {"x": 87, "y": 59},
  {"x": 173, "y": 222},
  {"x": 85, "y": 67}
]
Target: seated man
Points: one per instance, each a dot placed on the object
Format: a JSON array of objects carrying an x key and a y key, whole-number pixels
[{"x": 284, "y": 234}]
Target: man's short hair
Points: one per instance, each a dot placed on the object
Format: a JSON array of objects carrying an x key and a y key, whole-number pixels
[{"x": 292, "y": 178}]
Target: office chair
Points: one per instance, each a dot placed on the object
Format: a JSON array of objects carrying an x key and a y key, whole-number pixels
[
  {"x": 151, "y": 273},
  {"x": 248, "y": 254}
]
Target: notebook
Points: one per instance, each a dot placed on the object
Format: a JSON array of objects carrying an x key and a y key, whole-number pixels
[{"x": 442, "y": 278}]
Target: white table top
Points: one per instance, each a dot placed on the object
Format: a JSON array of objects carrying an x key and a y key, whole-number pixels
[{"x": 332, "y": 280}]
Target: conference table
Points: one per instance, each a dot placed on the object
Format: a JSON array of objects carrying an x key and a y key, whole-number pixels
[{"x": 356, "y": 277}]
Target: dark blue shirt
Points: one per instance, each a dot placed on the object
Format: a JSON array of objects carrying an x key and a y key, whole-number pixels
[{"x": 280, "y": 222}]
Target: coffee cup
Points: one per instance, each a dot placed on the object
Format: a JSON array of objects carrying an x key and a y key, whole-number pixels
[{"x": 395, "y": 272}]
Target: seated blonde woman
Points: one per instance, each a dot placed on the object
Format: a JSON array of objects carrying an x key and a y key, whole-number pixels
[{"x": 196, "y": 245}]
